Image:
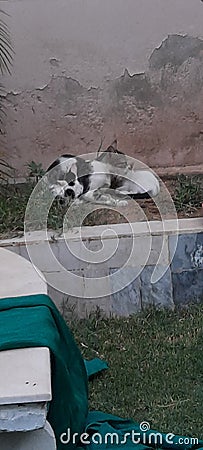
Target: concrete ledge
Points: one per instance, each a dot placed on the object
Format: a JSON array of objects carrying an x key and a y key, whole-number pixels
[
  {"x": 152, "y": 260},
  {"x": 180, "y": 226}
]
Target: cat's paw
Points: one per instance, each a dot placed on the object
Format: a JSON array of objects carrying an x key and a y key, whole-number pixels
[
  {"x": 107, "y": 200},
  {"x": 122, "y": 203}
]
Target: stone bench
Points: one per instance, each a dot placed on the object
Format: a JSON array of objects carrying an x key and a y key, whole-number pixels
[{"x": 25, "y": 374}]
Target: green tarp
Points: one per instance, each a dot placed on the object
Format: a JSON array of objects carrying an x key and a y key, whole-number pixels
[
  {"x": 110, "y": 432},
  {"x": 35, "y": 321},
  {"x": 94, "y": 366}
]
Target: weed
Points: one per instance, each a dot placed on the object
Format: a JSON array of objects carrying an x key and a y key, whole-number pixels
[
  {"x": 188, "y": 193},
  {"x": 35, "y": 170}
]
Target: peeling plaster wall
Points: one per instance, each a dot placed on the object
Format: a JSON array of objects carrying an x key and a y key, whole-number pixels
[{"x": 68, "y": 87}]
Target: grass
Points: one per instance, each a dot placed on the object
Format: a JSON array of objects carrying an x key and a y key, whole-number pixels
[
  {"x": 188, "y": 193},
  {"x": 155, "y": 367},
  {"x": 13, "y": 203}
]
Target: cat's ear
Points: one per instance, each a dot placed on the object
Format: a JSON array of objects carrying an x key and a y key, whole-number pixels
[
  {"x": 73, "y": 168},
  {"x": 113, "y": 147}
]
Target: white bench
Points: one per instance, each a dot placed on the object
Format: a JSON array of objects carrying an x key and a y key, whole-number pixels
[{"x": 25, "y": 374}]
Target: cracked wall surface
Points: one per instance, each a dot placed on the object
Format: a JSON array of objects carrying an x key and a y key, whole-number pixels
[{"x": 69, "y": 87}]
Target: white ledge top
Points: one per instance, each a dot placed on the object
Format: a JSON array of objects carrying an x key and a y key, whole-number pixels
[
  {"x": 25, "y": 376},
  {"x": 169, "y": 226}
]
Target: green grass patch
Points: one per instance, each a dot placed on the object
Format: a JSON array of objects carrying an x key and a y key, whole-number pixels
[
  {"x": 155, "y": 367},
  {"x": 13, "y": 201},
  {"x": 188, "y": 193},
  {"x": 13, "y": 204}
]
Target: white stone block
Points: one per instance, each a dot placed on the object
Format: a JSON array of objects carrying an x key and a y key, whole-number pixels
[
  {"x": 43, "y": 255},
  {"x": 70, "y": 283},
  {"x": 25, "y": 376},
  {"x": 70, "y": 254}
]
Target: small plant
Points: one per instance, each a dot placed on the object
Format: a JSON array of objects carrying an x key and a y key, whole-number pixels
[
  {"x": 188, "y": 194},
  {"x": 6, "y": 57},
  {"x": 6, "y": 51},
  {"x": 35, "y": 170},
  {"x": 13, "y": 202},
  {"x": 6, "y": 171}
]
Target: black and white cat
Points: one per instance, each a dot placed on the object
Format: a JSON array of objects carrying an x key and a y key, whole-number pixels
[{"x": 107, "y": 179}]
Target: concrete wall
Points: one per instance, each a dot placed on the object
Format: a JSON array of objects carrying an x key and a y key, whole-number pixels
[
  {"x": 157, "y": 117},
  {"x": 127, "y": 270}
]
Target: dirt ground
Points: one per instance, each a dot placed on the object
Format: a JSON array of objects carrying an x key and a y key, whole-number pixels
[{"x": 142, "y": 210}]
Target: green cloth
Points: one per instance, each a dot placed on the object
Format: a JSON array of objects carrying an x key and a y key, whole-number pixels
[
  {"x": 100, "y": 426},
  {"x": 34, "y": 321},
  {"x": 95, "y": 366}
]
